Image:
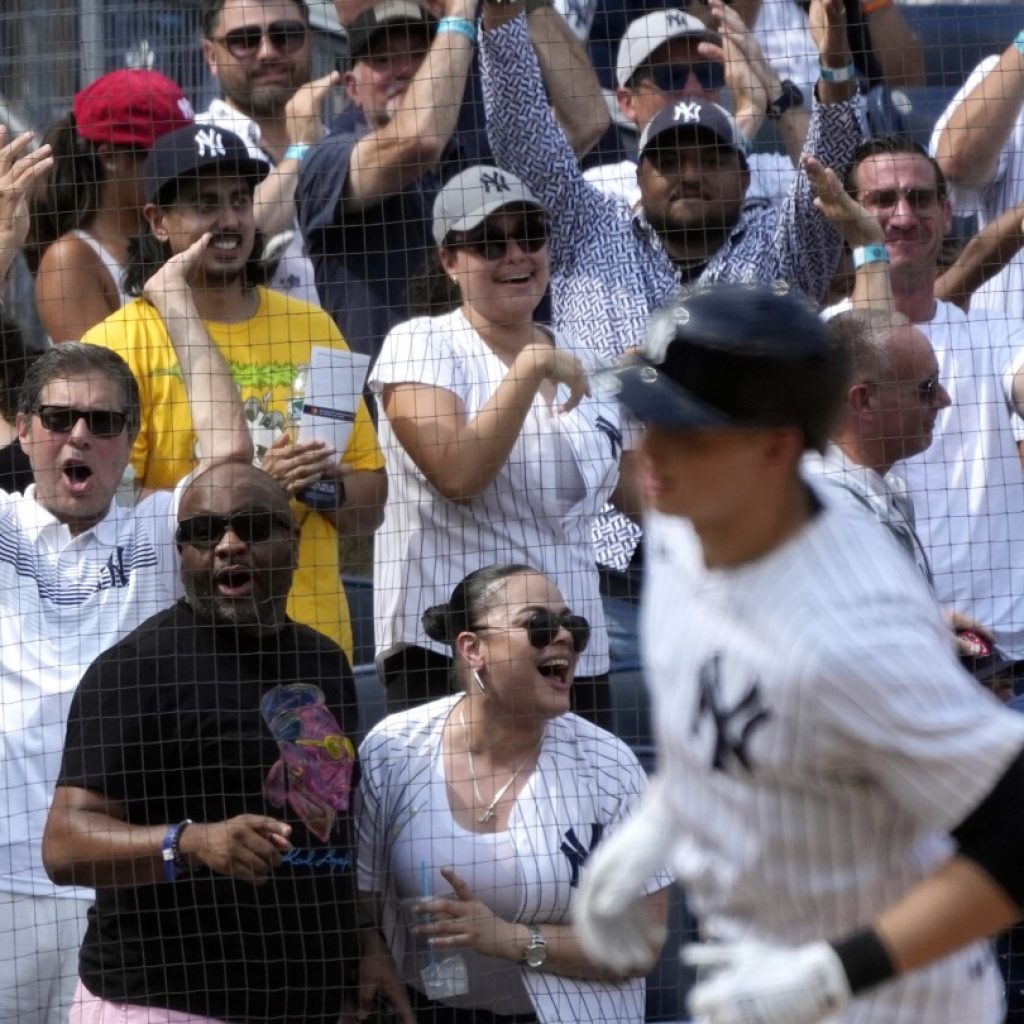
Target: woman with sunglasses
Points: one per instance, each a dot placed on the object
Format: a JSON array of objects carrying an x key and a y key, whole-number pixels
[
  {"x": 496, "y": 450},
  {"x": 90, "y": 205},
  {"x": 489, "y": 802}
]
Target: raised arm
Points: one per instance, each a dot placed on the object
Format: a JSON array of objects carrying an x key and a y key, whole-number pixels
[
  {"x": 274, "y": 200},
  {"x": 894, "y": 44},
  {"x": 972, "y": 137},
  {"x": 571, "y": 80},
  {"x": 19, "y": 170},
  {"x": 984, "y": 256},
  {"x": 217, "y": 415},
  {"x": 396, "y": 154}
]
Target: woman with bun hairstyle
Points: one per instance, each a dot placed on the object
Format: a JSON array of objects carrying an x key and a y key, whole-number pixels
[
  {"x": 496, "y": 450},
  {"x": 90, "y": 205},
  {"x": 491, "y": 800}
]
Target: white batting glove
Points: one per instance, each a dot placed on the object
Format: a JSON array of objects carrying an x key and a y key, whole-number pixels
[
  {"x": 610, "y": 913},
  {"x": 754, "y": 983}
]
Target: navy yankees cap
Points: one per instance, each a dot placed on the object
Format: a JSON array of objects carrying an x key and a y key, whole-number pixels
[
  {"x": 195, "y": 149},
  {"x": 693, "y": 112}
]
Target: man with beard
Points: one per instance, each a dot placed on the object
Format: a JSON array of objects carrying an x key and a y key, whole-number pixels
[
  {"x": 260, "y": 52},
  {"x": 205, "y": 787},
  {"x": 201, "y": 179}
]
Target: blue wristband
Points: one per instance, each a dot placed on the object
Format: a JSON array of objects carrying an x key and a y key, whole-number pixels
[
  {"x": 836, "y": 76},
  {"x": 296, "y": 151},
  {"x": 1019, "y": 41},
  {"x": 462, "y": 26},
  {"x": 170, "y": 850},
  {"x": 865, "y": 254}
]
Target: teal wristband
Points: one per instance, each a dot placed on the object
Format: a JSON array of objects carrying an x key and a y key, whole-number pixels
[
  {"x": 462, "y": 26},
  {"x": 296, "y": 151},
  {"x": 864, "y": 254},
  {"x": 1019, "y": 41},
  {"x": 836, "y": 76}
]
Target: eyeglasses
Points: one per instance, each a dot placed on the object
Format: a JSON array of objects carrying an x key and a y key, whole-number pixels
[
  {"x": 61, "y": 419},
  {"x": 918, "y": 199},
  {"x": 543, "y": 626},
  {"x": 675, "y": 77},
  {"x": 245, "y": 41},
  {"x": 927, "y": 390},
  {"x": 490, "y": 243},
  {"x": 253, "y": 526}
]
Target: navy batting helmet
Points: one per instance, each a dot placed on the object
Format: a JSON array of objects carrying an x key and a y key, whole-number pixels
[{"x": 735, "y": 355}]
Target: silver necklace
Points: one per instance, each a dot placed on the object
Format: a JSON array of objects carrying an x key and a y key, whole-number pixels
[{"x": 490, "y": 813}]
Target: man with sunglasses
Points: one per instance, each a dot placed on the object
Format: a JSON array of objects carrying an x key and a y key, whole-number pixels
[
  {"x": 205, "y": 785},
  {"x": 260, "y": 51},
  {"x": 77, "y": 573},
  {"x": 968, "y": 485},
  {"x": 667, "y": 55}
]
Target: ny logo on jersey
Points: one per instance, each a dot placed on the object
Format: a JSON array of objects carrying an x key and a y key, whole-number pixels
[
  {"x": 612, "y": 432},
  {"x": 686, "y": 112},
  {"x": 114, "y": 574},
  {"x": 577, "y": 853},
  {"x": 733, "y": 726},
  {"x": 495, "y": 181},
  {"x": 210, "y": 143}
]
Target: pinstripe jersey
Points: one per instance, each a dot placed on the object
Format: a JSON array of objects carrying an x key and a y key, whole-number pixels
[
  {"x": 819, "y": 740},
  {"x": 428, "y": 543},
  {"x": 586, "y": 781},
  {"x": 63, "y": 601}
]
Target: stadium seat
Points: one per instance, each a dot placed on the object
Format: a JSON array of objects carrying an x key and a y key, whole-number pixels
[{"x": 359, "y": 592}]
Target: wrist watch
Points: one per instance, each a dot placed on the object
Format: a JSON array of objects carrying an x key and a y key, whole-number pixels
[
  {"x": 791, "y": 96},
  {"x": 536, "y": 952}
]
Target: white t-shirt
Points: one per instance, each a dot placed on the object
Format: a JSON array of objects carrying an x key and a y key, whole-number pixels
[
  {"x": 771, "y": 175},
  {"x": 538, "y": 510},
  {"x": 1005, "y": 291},
  {"x": 63, "y": 601},
  {"x": 784, "y": 32},
  {"x": 818, "y": 740},
  {"x": 294, "y": 275}
]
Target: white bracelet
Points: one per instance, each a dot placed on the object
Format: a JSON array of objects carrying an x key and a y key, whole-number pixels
[
  {"x": 836, "y": 76},
  {"x": 864, "y": 254}
]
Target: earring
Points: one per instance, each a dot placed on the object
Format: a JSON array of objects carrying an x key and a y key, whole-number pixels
[{"x": 479, "y": 681}]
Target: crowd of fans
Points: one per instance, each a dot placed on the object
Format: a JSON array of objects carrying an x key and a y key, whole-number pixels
[{"x": 190, "y": 832}]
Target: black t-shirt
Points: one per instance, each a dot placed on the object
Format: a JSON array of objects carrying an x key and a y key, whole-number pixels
[
  {"x": 184, "y": 719},
  {"x": 15, "y": 469},
  {"x": 364, "y": 259}
]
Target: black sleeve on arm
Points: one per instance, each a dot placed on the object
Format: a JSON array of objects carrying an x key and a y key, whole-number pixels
[{"x": 992, "y": 835}]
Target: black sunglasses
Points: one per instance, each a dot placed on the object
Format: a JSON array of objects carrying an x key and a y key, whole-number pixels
[
  {"x": 243, "y": 42},
  {"x": 673, "y": 78},
  {"x": 253, "y": 526},
  {"x": 543, "y": 625},
  {"x": 61, "y": 419},
  {"x": 490, "y": 243}
]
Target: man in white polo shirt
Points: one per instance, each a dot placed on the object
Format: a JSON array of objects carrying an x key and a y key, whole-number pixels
[{"x": 77, "y": 573}]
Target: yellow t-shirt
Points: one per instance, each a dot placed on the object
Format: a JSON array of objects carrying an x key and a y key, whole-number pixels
[{"x": 263, "y": 354}]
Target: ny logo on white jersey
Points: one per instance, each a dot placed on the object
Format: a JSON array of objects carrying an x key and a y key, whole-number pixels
[
  {"x": 686, "y": 112},
  {"x": 733, "y": 726},
  {"x": 210, "y": 143}
]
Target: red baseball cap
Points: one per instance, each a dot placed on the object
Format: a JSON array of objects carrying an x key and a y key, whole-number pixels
[{"x": 131, "y": 107}]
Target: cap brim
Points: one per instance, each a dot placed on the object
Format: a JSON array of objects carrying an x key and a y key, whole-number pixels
[{"x": 655, "y": 398}]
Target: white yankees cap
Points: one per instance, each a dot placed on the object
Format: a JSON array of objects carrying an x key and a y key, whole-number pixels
[
  {"x": 693, "y": 112},
  {"x": 646, "y": 34},
  {"x": 473, "y": 195}
]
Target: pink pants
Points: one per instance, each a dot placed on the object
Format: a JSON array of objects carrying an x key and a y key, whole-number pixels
[{"x": 90, "y": 1009}]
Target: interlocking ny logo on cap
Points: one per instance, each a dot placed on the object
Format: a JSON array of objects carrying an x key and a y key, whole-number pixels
[
  {"x": 495, "y": 182},
  {"x": 210, "y": 143},
  {"x": 686, "y": 111},
  {"x": 675, "y": 19}
]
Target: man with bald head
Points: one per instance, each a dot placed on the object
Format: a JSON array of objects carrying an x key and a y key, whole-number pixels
[{"x": 204, "y": 790}]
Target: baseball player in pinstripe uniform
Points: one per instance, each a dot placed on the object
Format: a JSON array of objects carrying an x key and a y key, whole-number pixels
[{"x": 838, "y": 798}]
